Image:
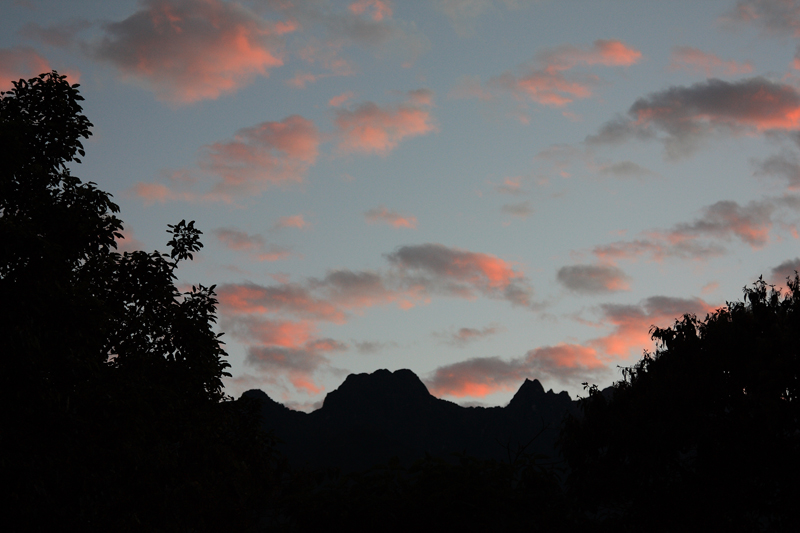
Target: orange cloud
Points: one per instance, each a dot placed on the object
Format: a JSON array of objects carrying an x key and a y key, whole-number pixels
[
  {"x": 382, "y": 215},
  {"x": 374, "y": 129},
  {"x": 191, "y": 50},
  {"x": 21, "y": 62},
  {"x": 694, "y": 60}
]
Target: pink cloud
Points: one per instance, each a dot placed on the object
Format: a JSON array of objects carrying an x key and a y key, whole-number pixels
[
  {"x": 373, "y": 129},
  {"x": 287, "y": 299},
  {"x": 631, "y": 323},
  {"x": 21, "y": 62},
  {"x": 191, "y": 50},
  {"x": 568, "y": 363},
  {"x": 297, "y": 363},
  {"x": 338, "y": 100},
  {"x": 268, "y": 154},
  {"x": 293, "y": 221},
  {"x": 383, "y": 215},
  {"x": 481, "y": 376},
  {"x": 694, "y": 60},
  {"x": 610, "y": 53},
  {"x": 377, "y": 10},
  {"x": 545, "y": 83},
  {"x": 128, "y": 243},
  {"x": 254, "y": 245}
]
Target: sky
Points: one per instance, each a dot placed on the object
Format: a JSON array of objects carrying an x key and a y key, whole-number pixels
[{"x": 481, "y": 191}]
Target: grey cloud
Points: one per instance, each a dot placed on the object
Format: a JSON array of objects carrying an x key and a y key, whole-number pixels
[
  {"x": 593, "y": 279},
  {"x": 785, "y": 270},
  {"x": 521, "y": 209},
  {"x": 683, "y": 117},
  {"x": 460, "y": 273}
]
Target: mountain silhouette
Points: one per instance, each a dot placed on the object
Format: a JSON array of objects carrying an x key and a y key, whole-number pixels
[{"x": 373, "y": 417}]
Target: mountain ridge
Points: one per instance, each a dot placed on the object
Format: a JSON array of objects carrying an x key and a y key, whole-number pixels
[{"x": 372, "y": 417}]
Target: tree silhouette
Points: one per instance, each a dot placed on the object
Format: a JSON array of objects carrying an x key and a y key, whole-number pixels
[
  {"x": 704, "y": 433},
  {"x": 113, "y": 405}
]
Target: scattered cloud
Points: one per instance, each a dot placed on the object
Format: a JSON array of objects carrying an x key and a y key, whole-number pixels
[
  {"x": 128, "y": 243},
  {"x": 544, "y": 81},
  {"x": 625, "y": 170},
  {"x": 372, "y": 347},
  {"x": 62, "y": 35},
  {"x": 722, "y": 221},
  {"x": 785, "y": 165},
  {"x": 340, "y": 99},
  {"x": 785, "y": 270},
  {"x": 293, "y": 221},
  {"x": 370, "y": 128},
  {"x": 253, "y": 245},
  {"x": 191, "y": 50},
  {"x": 266, "y": 155},
  {"x": 682, "y": 117},
  {"x": 593, "y": 279},
  {"x": 568, "y": 363},
  {"x": 519, "y": 210},
  {"x": 512, "y": 186},
  {"x": 437, "y": 269},
  {"x": 383, "y": 215},
  {"x": 695, "y": 60},
  {"x": 377, "y": 10},
  {"x": 709, "y": 288},
  {"x": 775, "y": 17},
  {"x": 469, "y": 87},
  {"x": 20, "y": 62},
  {"x": 279, "y": 323},
  {"x": 465, "y": 336}
]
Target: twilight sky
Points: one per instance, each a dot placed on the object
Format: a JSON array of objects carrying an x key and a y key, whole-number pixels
[{"x": 481, "y": 191}]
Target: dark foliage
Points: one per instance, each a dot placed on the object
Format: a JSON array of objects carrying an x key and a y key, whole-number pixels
[
  {"x": 704, "y": 433},
  {"x": 113, "y": 412},
  {"x": 460, "y": 493}
]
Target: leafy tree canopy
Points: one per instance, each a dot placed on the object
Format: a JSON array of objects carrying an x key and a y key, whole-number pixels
[
  {"x": 704, "y": 433},
  {"x": 112, "y": 388}
]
